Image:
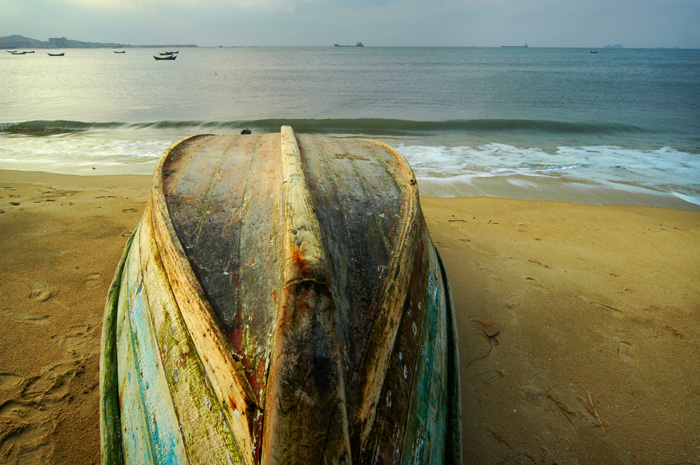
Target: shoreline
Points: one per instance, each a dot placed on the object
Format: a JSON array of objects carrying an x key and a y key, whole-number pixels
[
  {"x": 577, "y": 324},
  {"x": 539, "y": 188},
  {"x": 513, "y": 187}
]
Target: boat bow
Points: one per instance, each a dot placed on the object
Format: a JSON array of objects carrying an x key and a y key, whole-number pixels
[{"x": 289, "y": 305}]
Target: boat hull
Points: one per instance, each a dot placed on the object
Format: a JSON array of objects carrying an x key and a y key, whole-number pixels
[{"x": 281, "y": 301}]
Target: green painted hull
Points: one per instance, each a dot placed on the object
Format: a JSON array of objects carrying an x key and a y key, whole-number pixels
[{"x": 281, "y": 301}]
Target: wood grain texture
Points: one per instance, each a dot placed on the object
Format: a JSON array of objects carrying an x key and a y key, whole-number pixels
[
  {"x": 225, "y": 374},
  {"x": 305, "y": 412},
  {"x": 110, "y": 422},
  {"x": 289, "y": 306},
  {"x": 151, "y": 415},
  {"x": 207, "y": 435}
]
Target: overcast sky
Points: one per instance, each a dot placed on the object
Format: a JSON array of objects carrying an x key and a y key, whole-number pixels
[{"x": 544, "y": 23}]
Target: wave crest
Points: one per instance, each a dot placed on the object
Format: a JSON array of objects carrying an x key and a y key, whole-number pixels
[{"x": 345, "y": 125}]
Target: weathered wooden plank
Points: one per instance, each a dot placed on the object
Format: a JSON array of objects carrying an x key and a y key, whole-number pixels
[
  {"x": 305, "y": 412},
  {"x": 353, "y": 196},
  {"x": 202, "y": 154},
  {"x": 423, "y": 442},
  {"x": 345, "y": 265},
  {"x": 226, "y": 375},
  {"x": 304, "y": 252},
  {"x": 110, "y": 422},
  {"x": 205, "y": 204},
  {"x": 233, "y": 246},
  {"x": 137, "y": 444},
  {"x": 161, "y": 421},
  {"x": 260, "y": 276},
  {"x": 392, "y": 295},
  {"x": 365, "y": 200},
  {"x": 207, "y": 436},
  {"x": 439, "y": 397},
  {"x": 453, "y": 432},
  {"x": 385, "y": 438}
]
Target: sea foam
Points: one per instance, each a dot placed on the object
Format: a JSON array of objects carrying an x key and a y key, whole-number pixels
[{"x": 663, "y": 170}]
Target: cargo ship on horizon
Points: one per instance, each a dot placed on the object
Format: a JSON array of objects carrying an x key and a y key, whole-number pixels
[{"x": 357, "y": 44}]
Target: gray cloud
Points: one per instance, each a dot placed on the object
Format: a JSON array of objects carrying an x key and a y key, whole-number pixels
[{"x": 584, "y": 23}]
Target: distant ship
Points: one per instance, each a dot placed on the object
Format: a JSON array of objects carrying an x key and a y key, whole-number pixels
[
  {"x": 514, "y": 46},
  {"x": 358, "y": 44}
]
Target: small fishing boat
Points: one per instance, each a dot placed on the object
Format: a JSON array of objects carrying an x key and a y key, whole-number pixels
[
  {"x": 56, "y": 54},
  {"x": 119, "y": 51},
  {"x": 167, "y": 57},
  {"x": 281, "y": 301}
]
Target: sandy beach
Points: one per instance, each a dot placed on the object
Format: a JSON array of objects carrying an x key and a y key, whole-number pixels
[{"x": 579, "y": 329}]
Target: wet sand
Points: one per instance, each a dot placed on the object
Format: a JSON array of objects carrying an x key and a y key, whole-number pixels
[{"x": 579, "y": 326}]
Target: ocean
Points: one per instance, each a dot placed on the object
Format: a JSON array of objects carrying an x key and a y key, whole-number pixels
[{"x": 616, "y": 126}]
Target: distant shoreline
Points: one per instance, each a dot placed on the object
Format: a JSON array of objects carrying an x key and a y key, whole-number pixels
[
  {"x": 21, "y": 42},
  {"x": 13, "y": 42},
  {"x": 159, "y": 46}
]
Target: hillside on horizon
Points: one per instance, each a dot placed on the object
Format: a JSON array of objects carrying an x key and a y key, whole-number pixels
[{"x": 17, "y": 41}]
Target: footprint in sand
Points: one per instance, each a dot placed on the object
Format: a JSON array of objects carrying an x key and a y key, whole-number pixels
[
  {"x": 24, "y": 317},
  {"x": 93, "y": 280},
  {"x": 9, "y": 381},
  {"x": 513, "y": 301},
  {"x": 626, "y": 352},
  {"x": 489, "y": 377},
  {"x": 40, "y": 292},
  {"x": 32, "y": 406},
  {"x": 27, "y": 422},
  {"x": 23, "y": 438},
  {"x": 535, "y": 393}
]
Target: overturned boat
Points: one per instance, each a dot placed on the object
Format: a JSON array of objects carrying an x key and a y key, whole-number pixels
[{"x": 280, "y": 302}]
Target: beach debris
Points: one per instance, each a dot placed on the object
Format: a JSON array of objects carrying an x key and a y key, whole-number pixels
[
  {"x": 492, "y": 336},
  {"x": 626, "y": 352},
  {"x": 595, "y": 412}
]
